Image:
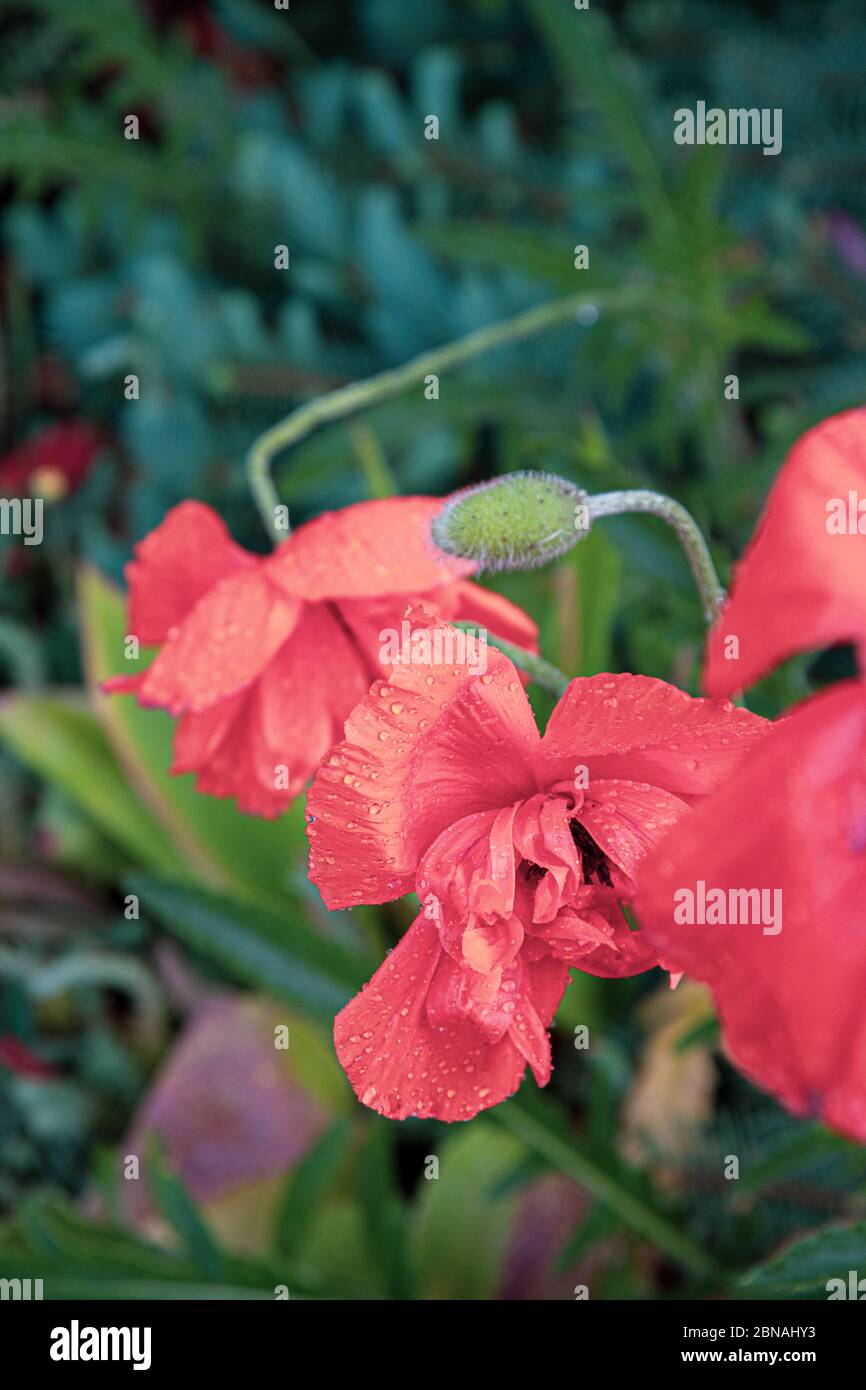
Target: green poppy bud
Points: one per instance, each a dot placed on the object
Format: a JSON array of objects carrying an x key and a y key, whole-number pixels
[{"x": 516, "y": 522}]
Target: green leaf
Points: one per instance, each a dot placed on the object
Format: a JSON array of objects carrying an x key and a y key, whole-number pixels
[
  {"x": 464, "y": 1216},
  {"x": 756, "y": 325},
  {"x": 221, "y": 845},
  {"x": 805, "y": 1266},
  {"x": 594, "y": 69},
  {"x": 307, "y": 1185},
  {"x": 49, "y": 1239},
  {"x": 538, "y": 254},
  {"x": 179, "y": 1210},
  {"x": 278, "y": 954},
  {"x": 384, "y": 1210},
  {"x": 799, "y": 1151},
  {"x": 597, "y": 566},
  {"x": 62, "y": 741},
  {"x": 705, "y": 1032},
  {"x": 528, "y": 1122}
]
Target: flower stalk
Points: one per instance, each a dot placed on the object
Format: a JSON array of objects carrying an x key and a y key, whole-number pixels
[
  {"x": 544, "y": 673},
  {"x": 688, "y": 532},
  {"x": 361, "y": 395}
]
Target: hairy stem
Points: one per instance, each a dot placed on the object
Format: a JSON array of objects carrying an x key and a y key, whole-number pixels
[
  {"x": 548, "y": 676},
  {"x": 689, "y": 534},
  {"x": 359, "y": 395}
]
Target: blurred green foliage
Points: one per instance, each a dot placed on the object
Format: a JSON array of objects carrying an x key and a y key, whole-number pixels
[{"x": 155, "y": 257}]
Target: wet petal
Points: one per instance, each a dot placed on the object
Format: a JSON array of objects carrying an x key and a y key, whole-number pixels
[
  {"x": 176, "y": 565},
  {"x": 801, "y": 581},
  {"x": 628, "y": 819},
  {"x": 642, "y": 729},
  {"x": 598, "y": 943},
  {"x": 261, "y": 745},
  {"x": 224, "y": 644},
  {"x": 401, "y": 1065},
  {"x": 367, "y": 550},
  {"x": 432, "y": 744},
  {"x": 790, "y": 825}
]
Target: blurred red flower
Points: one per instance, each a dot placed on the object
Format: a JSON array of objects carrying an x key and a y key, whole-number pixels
[
  {"x": 17, "y": 1057},
  {"x": 262, "y": 658},
  {"x": 53, "y": 462},
  {"x": 792, "y": 821},
  {"x": 522, "y": 849}
]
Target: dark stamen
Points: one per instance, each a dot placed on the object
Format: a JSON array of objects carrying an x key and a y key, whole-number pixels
[{"x": 593, "y": 858}]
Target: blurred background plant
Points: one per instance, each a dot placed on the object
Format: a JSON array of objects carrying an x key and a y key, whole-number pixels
[{"x": 151, "y": 940}]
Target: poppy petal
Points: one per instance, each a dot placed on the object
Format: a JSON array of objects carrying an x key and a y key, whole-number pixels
[
  {"x": 627, "y": 953},
  {"x": 123, "y": 685},
  {"x": 598, "y": 944},
  {"x": 642, "y": 729},
  {"x": 224, "y": 643},
  {"x": 176, "y": 565},
  {"x": 801, "y": 581},
  {"x": 376, "y": 625},
  {"x": 367, "y": 550},
  {"x": 259, "y": 745},
  {"x": 432, "y": 744},
  {"x": 628, "y": 819},
  {"x": 786, "y": 836},
  {"x": 400, "y": 1064}
]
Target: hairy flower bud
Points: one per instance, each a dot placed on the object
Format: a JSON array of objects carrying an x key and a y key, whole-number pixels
[{"x": 516, "y": 522}]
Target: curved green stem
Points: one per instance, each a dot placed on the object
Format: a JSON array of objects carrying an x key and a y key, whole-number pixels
[
  {"x": 689, "y": 533},
  {"x": 359, "y": 395},
  {"x": 544, "y": 673}
]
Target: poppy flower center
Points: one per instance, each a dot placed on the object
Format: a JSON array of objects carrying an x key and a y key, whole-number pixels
[{"x": 594, "y": 861}]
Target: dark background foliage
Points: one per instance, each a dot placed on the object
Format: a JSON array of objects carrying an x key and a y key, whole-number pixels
[{"x": 155, "y": 257}]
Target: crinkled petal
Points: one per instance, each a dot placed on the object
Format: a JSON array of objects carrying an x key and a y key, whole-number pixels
[
  {"x": 628, "y": 819},
  {"x": 799, "y": 584},
  {"x": 598, "y": 944},
  {"x": 492, "y": 890},
  {"x": 176, "y": 565},
  {"x": 445, "y": 879},
  {"x": 367, "y": 550},
  {"x": 313, "y": 683},
  {"x": 628, "y": 953},
  {"x": 543, "y": 837},
  {"x": 400, "y": 1064},
  {"x": 642, "y": 729},
  {"x": 432, "y": 744},
  {"x": 261, "y": 745},
  {"x": 222, "y": 646},
  {"x": 460, "y": 994},
  {"x": 791, "y": 822},
  {"x": 375, "y": 626},
  {"x": 224, "y": 747}
]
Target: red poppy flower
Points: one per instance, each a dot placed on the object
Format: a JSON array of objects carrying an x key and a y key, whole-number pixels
[
  {"x": 262, "y": 658},
  {"x": 522, "y": 849},
  {"x": 791, "y": 823}
]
